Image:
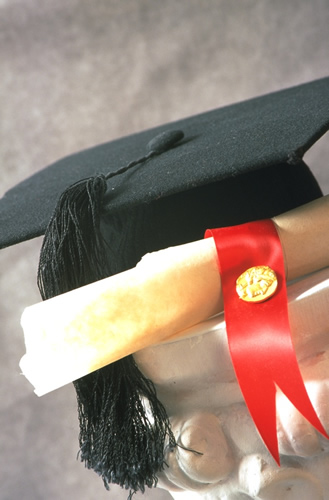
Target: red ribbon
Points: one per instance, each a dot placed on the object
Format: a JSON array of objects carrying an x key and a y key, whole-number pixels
[{"x": 258, "y": 334}]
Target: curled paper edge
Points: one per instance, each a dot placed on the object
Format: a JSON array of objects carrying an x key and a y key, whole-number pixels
[{"x": 44, "y": 370}]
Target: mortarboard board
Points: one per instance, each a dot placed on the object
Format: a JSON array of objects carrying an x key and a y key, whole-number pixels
[
  {"x": 235, "y": 164},
  {"x": 263, "y": 132}
]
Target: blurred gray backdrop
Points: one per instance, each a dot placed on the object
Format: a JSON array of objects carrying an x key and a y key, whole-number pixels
[{"x": 75, "y": 73}]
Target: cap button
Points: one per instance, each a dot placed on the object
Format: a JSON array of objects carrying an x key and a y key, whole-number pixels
[{"x": 164, "y": 141}]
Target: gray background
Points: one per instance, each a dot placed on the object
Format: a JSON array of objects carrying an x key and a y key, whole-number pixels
[{"x": 75, "y": 73}]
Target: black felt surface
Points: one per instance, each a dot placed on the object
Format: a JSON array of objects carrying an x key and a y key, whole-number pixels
[{"x": 220, "y": 144}]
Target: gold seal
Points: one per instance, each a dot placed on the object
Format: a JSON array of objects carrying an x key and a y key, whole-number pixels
[{"x": 256, "y": 284}]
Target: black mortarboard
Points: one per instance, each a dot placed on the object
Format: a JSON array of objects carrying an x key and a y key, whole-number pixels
[
  {"x": 167, "y": 185},
  {"x": 271, "y": 130}
]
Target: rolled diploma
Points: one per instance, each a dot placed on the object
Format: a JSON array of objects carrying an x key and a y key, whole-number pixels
[
  {"x": 169, "y": 291},
  {"x": 76, "y": 333}
]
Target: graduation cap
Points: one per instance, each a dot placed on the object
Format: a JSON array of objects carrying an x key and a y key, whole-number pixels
[{"x": 148, "y": 191}]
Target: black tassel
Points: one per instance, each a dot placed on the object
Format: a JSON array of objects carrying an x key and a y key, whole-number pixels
[
  {"x": 119, "y": 438},
  {"x": 73, "y": 253}
]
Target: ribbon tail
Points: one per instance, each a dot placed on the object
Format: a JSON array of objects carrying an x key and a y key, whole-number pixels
[
  {"x": 261, "y": 403},
  {"x": 258, "y": 377},
  {"x": 292, "y": 385}
]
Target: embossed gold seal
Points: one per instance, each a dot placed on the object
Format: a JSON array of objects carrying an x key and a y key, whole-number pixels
[{"x": 257, "y": 284}]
